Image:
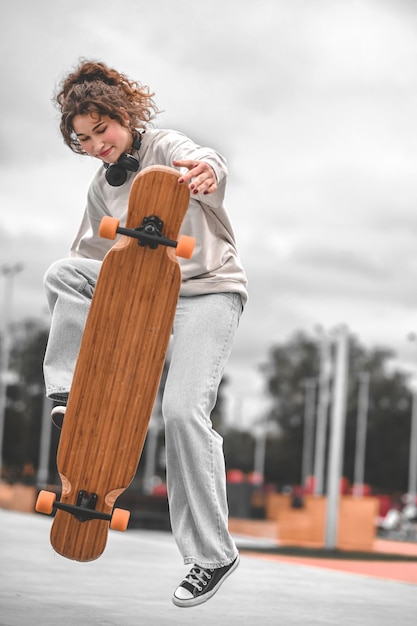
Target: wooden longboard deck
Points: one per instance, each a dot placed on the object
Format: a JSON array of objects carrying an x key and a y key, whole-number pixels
[{"x": 119, "y": 365}]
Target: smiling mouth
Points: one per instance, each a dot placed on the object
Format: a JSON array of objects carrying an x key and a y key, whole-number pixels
[{"x": 105, "y": 153}]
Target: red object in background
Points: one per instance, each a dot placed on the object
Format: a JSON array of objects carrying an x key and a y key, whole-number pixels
[
  {"x": 255, "y": 478},
  {"x": 344, "y": 486},
  {"x": 235, "y": 476},
  {"x": 160, "y": 490},
  {"x": 309, "y": 486}
]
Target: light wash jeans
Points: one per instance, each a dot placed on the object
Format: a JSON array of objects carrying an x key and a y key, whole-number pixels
[{"x": 204, "y": 330}]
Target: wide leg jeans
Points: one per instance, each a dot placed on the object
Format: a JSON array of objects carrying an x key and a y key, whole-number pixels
[{"x": 203, "y": 334}]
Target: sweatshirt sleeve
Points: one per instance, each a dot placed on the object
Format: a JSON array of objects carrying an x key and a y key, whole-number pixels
[
  {"x": 87, "y": 243},
  {"x": 161, "y": 147},
  {"x": 175, "y": 146}
]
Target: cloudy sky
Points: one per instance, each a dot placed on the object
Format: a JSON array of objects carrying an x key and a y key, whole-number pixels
[{"x": 314, "y": 105}]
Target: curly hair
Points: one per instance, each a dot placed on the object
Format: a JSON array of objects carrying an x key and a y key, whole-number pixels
[{"x": 93, "y": 87}]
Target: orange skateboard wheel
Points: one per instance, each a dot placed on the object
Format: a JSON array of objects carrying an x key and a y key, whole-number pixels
[
  {"x": 45, "y": 502},
  {"x": 108, "y": 227},
  {"x": 120, "y": 520},
  {"x": 185, "y": 247}
]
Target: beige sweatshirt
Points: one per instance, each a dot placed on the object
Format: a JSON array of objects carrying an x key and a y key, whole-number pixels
[{"x": 215, "y": 266}]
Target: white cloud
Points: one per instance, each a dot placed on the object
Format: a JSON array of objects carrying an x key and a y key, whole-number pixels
[{"x": 313, "y": 105}]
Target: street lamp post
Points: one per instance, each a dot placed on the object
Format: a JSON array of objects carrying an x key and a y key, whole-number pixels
[
  {"x": 412, "y": 466},
  {"x": 412, "y": 462},
  {"x": 260, "y": 454},
  {"x": 337, "y": 434},
  {"x": 326, "y": 367},
  {"x": 9, "y": 272},
  {"x": 361, "y": 427},
  {"x": 308, "y": 435}
]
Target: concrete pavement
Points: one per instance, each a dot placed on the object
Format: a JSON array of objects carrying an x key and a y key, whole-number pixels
[{"x": 133, "y": 581}]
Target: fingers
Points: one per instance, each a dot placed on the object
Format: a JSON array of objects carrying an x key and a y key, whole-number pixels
[{"x": 200, "y": 176}]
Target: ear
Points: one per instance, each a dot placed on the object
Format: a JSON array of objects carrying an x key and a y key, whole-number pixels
[{"x": 125, "y": 116}]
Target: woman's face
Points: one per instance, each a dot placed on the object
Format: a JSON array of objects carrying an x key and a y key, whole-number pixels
[{"x": 101, "y": 136}]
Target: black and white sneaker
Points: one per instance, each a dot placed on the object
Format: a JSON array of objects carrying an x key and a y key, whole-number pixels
[
  {"x": 57, "y": 416},
  {"x": 201, "y": 584}
]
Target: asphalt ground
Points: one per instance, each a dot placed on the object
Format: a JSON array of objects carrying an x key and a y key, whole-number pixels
[{"x": 133, "y": 581}]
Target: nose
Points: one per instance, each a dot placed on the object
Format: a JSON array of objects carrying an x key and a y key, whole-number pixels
[{"x": 98, "y": 147}]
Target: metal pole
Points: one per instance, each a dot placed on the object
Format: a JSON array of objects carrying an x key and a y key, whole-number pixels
[
  {"x": 361, "y": 427},
  {"x": 152, "y": 447},
  {"x": 308, "y": 438},
  {"x": 9, "y": 273},
  {"x": 338, "y": 419},
  {"x": 412, "y": 467},
  {"x": 412, "y": 460},
  {"x": 260, "y": 451},
  {"x": 45, "y": 443},
  {"x": 322, "y": 414}
]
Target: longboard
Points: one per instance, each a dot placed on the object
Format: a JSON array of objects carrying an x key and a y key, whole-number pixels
[{"x": 119, "y": 367}]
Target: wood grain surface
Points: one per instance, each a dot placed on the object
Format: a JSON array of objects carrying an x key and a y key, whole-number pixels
[{"x": 119, "y": 365}]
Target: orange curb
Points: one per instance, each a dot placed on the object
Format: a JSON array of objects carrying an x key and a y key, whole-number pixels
[{"x": 388, "y": 570}]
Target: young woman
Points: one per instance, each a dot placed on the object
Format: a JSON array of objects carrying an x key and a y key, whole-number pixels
[{"x": 106, "y": 115}]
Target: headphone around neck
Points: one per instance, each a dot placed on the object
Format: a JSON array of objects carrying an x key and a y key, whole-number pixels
[{"x": 116, "y": 173}]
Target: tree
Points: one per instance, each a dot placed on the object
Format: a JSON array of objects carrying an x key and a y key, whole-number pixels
[
  {"x": 25, "y": 395},
  {"x": 239, "y": 450},
  {"x": 288, "y": 367}
]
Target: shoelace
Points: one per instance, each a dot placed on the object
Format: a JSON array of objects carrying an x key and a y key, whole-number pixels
[{"x": 197, "y": 577}]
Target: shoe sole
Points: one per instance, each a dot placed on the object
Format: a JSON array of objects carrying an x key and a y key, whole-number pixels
[
  {"x": 57, "y": 417},
  {"x": 206, "y": 596}
]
